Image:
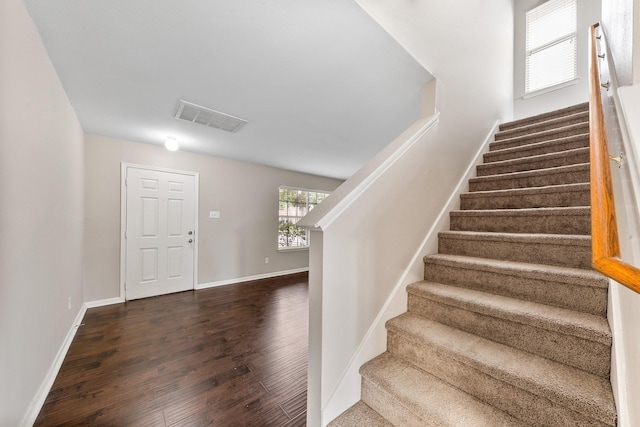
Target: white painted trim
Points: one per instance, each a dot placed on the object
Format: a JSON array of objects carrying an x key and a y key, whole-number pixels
[
  {"x": 36, "y": 404},
  {"x": 123, "y": 218},
  {"x": 309, "y": 190},
  {"x": 294, "y": 249},
  {"x": 123, "y": 222},
  {"x": 104, "y": 302},
  {"x": 550, "y": 88},
  {"x": 360, "y": 189},
  {"x": 196, "y": 230},
  {"x": 618, "y": 377},
  {"x": 438, "y": 225},
  {"x": 250, "y": 278},
  {"x": 40, "y": 397},
  {"x": 158, "y": 169}
]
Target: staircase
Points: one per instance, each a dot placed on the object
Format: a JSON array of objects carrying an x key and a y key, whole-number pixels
[{"x": 509, "y": 326}]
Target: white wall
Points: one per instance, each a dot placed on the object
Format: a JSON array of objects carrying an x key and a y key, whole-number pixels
[
  {"x": 230, "y": 248},
  {"x": 468, "y": 48},
  {"x": 622, "y": 108},
  {"x": 625, "y": 304},
  {"x": 617, "y": 20},
  {"x": 41, "y": 214},
  {"x": 588, "y": 14},
  {"x": 621, "y": 21}
]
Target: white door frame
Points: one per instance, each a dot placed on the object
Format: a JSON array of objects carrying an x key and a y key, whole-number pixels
[{"x": 123, "y": 218}]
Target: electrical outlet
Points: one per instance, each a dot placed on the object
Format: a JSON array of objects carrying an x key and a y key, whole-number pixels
[
  {"x": 69, "y": 304},
  {"x": 266, "y": 260}
]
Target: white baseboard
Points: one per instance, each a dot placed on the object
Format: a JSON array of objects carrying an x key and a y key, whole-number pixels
[
  {"x": 250, "y": 278},
  {"x": 41, "y": 395},
  {"x": 103, "y": 302}
]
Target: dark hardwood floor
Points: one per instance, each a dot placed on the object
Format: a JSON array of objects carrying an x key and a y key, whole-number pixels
[{"x": 229, "y": 356}]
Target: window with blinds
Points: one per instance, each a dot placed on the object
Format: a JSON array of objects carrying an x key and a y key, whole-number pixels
[
  {"x": 294, "y": 203},
  {"x": 551, "y": 44}
]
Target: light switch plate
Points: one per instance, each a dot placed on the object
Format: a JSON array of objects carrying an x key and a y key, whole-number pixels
[{"x": 214, "y": 214}]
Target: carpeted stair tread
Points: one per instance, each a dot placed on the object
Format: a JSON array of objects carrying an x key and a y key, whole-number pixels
[
  {"x": 519, "y": 192},
  {"x": 569, "y": 322},
  {"x": 558, "y": 239},
  {"x": 569, "y": 210},
  {"x": 410, "y": 396},
  {"x": 546, "y": 284},
  {"x": 576, "y": 339},
  {"x": 509, "y": 325},
  {"x": 360, "y": 414},
  {"x": 558, "y": 220},
  {"x": 544, "y": 135},
  {"x": 529, "y": 197},
  {"x": 570, "y": 174},
  {"x": 545, "y": 116},
  {"x": 563, "y": 158},
  {"x": 550, "y": 273},
  {"x": 549, "y": 249},
  {"x": 573, "y": 388},
  {"x": 577, "y": 117},
  {"x": 544, "y": 147}
]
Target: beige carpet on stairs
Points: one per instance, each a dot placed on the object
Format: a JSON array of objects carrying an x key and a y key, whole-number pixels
[{"x": 508, "y": 327}]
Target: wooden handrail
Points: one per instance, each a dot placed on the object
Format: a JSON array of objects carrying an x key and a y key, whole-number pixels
[{"x": 604, "y": 229}]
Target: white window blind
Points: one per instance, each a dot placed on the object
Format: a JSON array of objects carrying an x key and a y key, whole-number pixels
[
  {"x": 294, "y": 203},
  {"x": 551, "y": 44}
]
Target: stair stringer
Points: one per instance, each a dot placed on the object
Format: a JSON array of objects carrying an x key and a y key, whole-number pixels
[{"x": 347, "y": 390}]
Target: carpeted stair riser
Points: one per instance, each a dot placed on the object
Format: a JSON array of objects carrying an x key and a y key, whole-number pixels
[
  {"x": 537, "y": 178},
  {"x": 490, "y": 372},
  {"x": 360, "y": 414},
  {"x": 509, "y": 325},
  {"x": 555, "y": 286},
  {"x": 408, "y": 396},
  {"x": 525, "y": 331},
  {"x": 579, "y": 117},
  {"x": 560, "y": 250},
  {"x": 546, "y": 147},
  {"x": 536, "y": 197},
  {"x": 571, "y": 220},
  {"x": 565, "y": 158},
  {"x": 546, "y": 135},
  {"x": 388, "y": 405},
  {"x": 540, "y": 118}
]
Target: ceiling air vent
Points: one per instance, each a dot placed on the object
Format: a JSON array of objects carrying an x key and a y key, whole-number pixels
[{"x": 205, "y": 116}]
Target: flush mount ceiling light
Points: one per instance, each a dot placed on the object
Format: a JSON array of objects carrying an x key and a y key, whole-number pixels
[
  {"x": 205, "y": 116},
  {"x": 171, "y": 144}
]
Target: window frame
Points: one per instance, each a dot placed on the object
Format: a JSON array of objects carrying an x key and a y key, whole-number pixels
[
  {"x": 306, "y": 210},
  {"x": 528, "y": 91}
]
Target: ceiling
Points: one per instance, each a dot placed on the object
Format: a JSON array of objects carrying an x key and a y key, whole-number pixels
[{"x": 322, "y": 86}]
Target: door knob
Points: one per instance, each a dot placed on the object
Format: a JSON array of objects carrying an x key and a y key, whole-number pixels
[
  {"x": 190, "y": 233},
  {"x": 190, "y": 240}
]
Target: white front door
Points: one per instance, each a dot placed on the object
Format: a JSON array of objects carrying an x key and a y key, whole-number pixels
[{"x": 159, "y": 232}]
